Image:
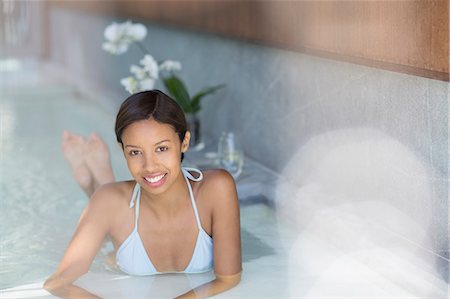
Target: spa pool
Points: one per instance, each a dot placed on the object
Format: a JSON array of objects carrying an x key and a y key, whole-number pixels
[
  {"x": 40, "y": 206},
  {"x": 41, "y": 203}
]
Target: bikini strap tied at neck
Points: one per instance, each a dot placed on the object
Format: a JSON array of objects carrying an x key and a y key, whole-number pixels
[{"x": 190, "y": 176}]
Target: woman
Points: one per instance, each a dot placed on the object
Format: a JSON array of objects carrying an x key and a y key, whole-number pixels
[{"x": 168, "y": 219}]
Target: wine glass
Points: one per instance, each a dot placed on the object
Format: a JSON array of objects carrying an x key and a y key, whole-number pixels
[{"x": 231, "y": 155}]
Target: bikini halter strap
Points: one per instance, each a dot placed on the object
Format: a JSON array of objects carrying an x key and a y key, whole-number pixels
[
  {"x": 136, "y": 195},
  {"x": 188, "y": 176}
]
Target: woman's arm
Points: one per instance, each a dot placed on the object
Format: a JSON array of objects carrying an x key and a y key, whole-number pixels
[
  {"x": 66, "y": 289},
  {"x": 220, "y": 284},
  {"x": 86, "y": 241},
  {"x": 221, "y": 189}
]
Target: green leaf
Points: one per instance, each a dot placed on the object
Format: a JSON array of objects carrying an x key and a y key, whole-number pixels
[
  {"x": 195, "y": 104},
  {"x": 178, "y": 91}
]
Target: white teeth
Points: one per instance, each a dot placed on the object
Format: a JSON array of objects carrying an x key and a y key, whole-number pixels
[{"x": 155, "y": 179}]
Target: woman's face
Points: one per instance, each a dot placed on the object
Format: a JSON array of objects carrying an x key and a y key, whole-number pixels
[{"x": 153, "y": 154}]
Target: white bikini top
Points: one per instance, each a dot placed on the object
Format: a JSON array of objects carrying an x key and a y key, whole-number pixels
[{"x": 132, "y": 257}]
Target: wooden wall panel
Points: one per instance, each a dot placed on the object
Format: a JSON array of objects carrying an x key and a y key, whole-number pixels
[{"x": 410, "y": 36}]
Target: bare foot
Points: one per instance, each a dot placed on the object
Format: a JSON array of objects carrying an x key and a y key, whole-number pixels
[
  {"x": 98, "y": 160},
  {"x": 73, "y": 147}
]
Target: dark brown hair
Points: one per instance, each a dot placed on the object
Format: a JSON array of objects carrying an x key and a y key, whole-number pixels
[{"x": 150, "y": 104}]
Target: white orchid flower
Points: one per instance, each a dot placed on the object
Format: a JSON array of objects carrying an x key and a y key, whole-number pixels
[
  {"x": 146, "y": 84},
  {"x": 111, "y": 32},
  {"x": 170, "y": 65},
  {"x": 138, "y": 72},
  {"x": 116, "y": 39},
  {"x": 116, "y": 32},
  {"x": 120, "y": 35},
  {"x": 136, "y": 32},
  {"x": 125, "y": 31},
  {"x": 115, "y": 48},
  {"x": 150, "y": 65},
  {"x": 130, "y": 84}
]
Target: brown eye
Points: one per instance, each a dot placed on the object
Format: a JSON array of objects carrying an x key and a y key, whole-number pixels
[
  {"x": 134, "y": 152},
  {"x": 162, "y": 149}
]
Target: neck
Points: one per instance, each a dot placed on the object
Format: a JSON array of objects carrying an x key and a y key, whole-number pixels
[{"x": 169, "y": 203}]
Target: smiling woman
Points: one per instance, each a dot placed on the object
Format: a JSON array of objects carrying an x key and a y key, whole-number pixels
[{"x": 162, "y": 221}]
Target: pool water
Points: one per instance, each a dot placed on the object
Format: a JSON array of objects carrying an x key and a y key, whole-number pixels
[{"x": 40, "y": 201}]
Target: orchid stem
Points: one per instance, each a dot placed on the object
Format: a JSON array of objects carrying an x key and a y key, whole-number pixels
[{"x": 143, "y": 49}]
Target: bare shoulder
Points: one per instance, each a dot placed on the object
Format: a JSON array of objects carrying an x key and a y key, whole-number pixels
[
  {"x": 112, "y": 196},
  {"x": 218, "y": 178},
  {"x": 219, "y": 187}
]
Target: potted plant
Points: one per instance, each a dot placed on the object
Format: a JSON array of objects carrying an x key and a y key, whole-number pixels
[{"x": 119, "y": 36}]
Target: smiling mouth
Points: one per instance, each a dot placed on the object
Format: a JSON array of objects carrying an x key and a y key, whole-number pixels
[{"x": 155, "y": 179}]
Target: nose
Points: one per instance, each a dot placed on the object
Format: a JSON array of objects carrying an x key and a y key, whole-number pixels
[{"x": 150, "y": 162}]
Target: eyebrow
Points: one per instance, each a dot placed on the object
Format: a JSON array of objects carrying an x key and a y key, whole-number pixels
[
  {"x": 165, "y": 140},
  {"x": 159, "y": 142}
]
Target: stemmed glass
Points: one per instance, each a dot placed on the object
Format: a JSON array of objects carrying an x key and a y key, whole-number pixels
[{"x": 231, "y": 155}]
